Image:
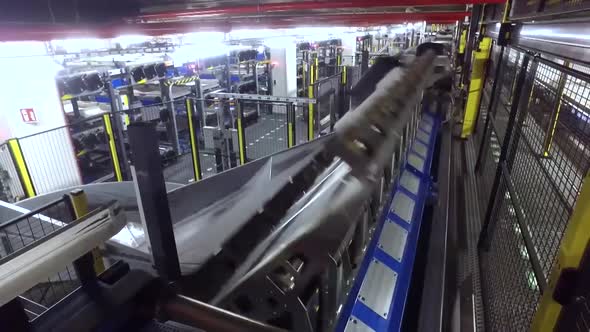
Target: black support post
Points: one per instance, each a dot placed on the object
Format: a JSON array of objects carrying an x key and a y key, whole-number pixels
[
  {"x": 364, "y": 62},
  {"x": 75, "y": 107},
  {"x": 13, "y": 317},
  {"x": 152, "y": 199}
]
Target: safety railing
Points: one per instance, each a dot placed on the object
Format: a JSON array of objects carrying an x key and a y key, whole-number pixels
[
  {"x": 533, "y": 158},
  {"x": 198, "y": 138},
  {"x": 11, "y": 189},
  {"x": 24, "y": 231},
  {"x": 82, "y": 152}
]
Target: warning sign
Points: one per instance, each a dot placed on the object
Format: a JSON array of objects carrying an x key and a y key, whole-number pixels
[{"x": 28, "y": 115}]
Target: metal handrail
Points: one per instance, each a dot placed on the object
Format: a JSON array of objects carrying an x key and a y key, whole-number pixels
[{"x": 31, "y": 213}]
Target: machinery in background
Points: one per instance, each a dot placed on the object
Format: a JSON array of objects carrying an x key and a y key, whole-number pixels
[{"x": 263, "y": 254}]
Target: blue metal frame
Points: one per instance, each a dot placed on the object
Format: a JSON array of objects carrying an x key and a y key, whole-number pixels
[{"x": 354, "y": 308}]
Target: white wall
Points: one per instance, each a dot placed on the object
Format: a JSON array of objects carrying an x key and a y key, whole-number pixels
[
  {"x": 30, "y": 83},
  {"x": 348, "y": 48},
  {"x": 284, "y": 73}
]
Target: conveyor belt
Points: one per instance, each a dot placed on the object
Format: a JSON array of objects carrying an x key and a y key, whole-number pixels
[{"x": 220, "y": 205}]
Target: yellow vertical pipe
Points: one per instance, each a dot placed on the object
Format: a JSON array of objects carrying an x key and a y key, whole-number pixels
[
  {"x": 462, "y": 42},
  {"x": 193, "y": 140},
  {"x": 113, "y": 147},
  {"x": 476, "y": 84},
  {"x": 21, "y": 167},
  {"x": 573, "y": 245},
  {"x": 241, "y": 145},
  {"x": 310, "y": 94},
  {"x": 80, "y": 205}
]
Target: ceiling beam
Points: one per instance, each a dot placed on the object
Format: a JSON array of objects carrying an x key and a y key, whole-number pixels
[
  {"x": 295, "y": 6},
  {"x": 48, "y": 32}
]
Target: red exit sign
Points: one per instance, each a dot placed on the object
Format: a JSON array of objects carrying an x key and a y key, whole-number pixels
[{"x": 28, "y": 115}]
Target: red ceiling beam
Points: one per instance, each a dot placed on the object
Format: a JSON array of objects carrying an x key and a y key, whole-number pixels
[
  {"x": 49, "y": 32},
  {"x": 298, "y": 6}
]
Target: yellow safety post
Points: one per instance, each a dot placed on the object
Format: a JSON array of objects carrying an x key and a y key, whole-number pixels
[
  {"x": 573, "y": 245},
  {"x": 310, "y": 115},
  {"x": 290, "y": 125},
  {"x": 21, "y": 167},
  {"x": 113, "y": 147},
  {"x": 480, "y": 60},
  {"x": 548, "y": 141},
  {"x": 317, "y": 69},
  {"x": 193, "y": 140},
  {"x": 344, "y": 73},
  {"x": 462, "y": 42},
  {"x": 79, "y": 203},
  {"x": 241, "y": 141}
]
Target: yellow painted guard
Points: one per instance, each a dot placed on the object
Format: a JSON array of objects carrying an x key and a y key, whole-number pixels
[
  {"x": 312, "y": 78},
  {"x": 194, "y": 146},
  {"x": 241, "y": 144},
  {"x": 113, "y": 147},
  {"x": 476, "y": 84},
  {"x": 80, "y": 204},
  {"x": 310, "y": 116},
  {"x": 462, "y": 42},
  {"x": 21, "y": 167},
  {"x": 291, "y": 140},
  {"x": 573, "y": 245}
]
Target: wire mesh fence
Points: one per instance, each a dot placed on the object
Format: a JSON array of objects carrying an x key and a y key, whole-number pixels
[
  {"x": 267, "y": 132},
  {"x": 301, "y": 123},
  {"x": 21, "y": 232},
  {"x": 90, "y": 140},
  {"x": 547, "y": 156},
  {"x": 511, "y": 293},
  {"x": 496, "y": 114}
]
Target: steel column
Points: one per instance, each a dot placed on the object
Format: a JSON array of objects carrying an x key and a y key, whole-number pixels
[{"x": 152, "y": 199}]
